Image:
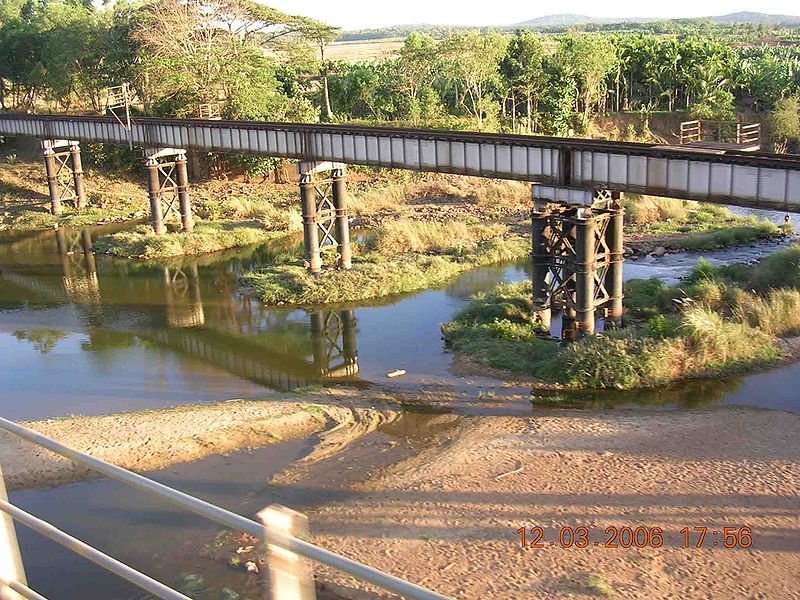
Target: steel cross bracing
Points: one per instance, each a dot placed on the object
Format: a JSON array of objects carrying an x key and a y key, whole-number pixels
[
  {"x": 65, "y": 176},
  {"x": 168, "y": 188},
  {"x": 752, "y": 179},
  {"x": 333, "y": 335},
  {"x": 560, "y": 256},
  {"x": 326, "y": 214}
]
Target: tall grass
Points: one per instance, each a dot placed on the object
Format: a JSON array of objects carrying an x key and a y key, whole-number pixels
[
  {"x": 777, "y": 313},
  {"x": 406, "y": 235},
  {"x": 779, "y": 269}
]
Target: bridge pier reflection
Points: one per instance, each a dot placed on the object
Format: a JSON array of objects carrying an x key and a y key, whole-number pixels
[
  {"x": 333, "y": 338},
  {"x": 577, "y": 258},
  {"x": 80, "y": 283},
  {"x": 182, "y": 300}
]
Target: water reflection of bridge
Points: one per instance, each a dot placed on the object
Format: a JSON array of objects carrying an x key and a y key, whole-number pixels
[{"x": 190, "y": 310}]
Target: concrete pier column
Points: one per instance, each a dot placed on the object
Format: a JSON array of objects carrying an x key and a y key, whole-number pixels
[
  {"x": 154, "y": 191},
  {"x": 585, "y": 263},
  {"x": 182, "y": 177},
  {"x": 616, "y": 257},
  {"x": 77, "y": 174},
  {"x": 51, "y": 167},
  {"x": 308, "y": 202},
  {"x": 541, "y": 266},
  {"x": 342, "y": 222}
]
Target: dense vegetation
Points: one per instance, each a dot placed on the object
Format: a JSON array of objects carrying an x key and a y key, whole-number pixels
[
  {"x": 716, "y": 320},
  {"x": 257, "y": 62}
]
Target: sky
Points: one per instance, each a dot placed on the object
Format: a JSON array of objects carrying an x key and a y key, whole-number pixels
[{"x": 363, "y": 14}]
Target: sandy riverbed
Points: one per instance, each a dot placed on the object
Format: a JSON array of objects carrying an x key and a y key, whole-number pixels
[
  {"x": 448, "y": 518},
  {"x": 148, "y": 440}
]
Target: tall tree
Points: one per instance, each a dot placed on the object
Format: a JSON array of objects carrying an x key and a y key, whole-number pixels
[{"x": 475, "y": 58}]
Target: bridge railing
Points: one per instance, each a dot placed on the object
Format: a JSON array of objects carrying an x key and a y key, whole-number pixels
[{"x": 288, "y": 578}]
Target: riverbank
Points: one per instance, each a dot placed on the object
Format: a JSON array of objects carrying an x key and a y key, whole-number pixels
[
  {"x": 448, "y": 517},
  {"x": 716, "y": 321},
  {"x": 153, "y": 439}
]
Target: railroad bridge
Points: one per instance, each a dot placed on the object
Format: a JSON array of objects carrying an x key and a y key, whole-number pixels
[{"x": 576, "y": 185}]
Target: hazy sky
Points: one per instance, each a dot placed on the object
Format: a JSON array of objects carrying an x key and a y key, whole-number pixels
[{"x": 358, "y": 14}]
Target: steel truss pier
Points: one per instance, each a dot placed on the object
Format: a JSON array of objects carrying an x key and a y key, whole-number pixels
[
  {"x": 62, "y": 160},
  {"x": 323, "y": 196},
  {"x": 577, "y": 258},
  {"x": 168, "y": 187}
]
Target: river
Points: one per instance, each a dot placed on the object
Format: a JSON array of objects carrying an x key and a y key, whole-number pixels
[{"x": 81, "y": 334}]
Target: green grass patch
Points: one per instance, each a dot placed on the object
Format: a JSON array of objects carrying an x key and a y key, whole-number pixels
[
  {"x": 142, "y": 242},
  {"x": 733, "y": 235},
  {"x": 698, "y": 226},
  {"x": 375, "y": 274},
  {"x": 710, "y": 324}
]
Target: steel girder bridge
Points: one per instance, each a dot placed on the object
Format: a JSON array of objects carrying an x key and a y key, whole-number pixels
[{"x": 576, "y": 184}]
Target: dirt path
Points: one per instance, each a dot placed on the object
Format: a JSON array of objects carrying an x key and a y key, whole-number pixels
[
  {"x": 149, "y": 440},
  {"x": 448, "y": 518}
]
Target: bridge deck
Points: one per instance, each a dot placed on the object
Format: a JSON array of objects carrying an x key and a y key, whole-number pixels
[{"x": 723, "y": 176}]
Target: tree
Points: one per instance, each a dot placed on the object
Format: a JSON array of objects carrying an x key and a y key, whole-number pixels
[
  {"x": 785, "y": 123},
  {"x": 588, "y": 59},
  {"x": 192, "y": 53},
  {"x": 523, "y": 72},
  {"x": 475, "y": 60},
  {"x": 418, "y": 65},
  {"x": 321, "y": 35}
]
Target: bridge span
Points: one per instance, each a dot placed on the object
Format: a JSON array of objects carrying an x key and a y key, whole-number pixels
[
  {"x": 758, "y": 180},
  {"x": 576, "y": 184}
]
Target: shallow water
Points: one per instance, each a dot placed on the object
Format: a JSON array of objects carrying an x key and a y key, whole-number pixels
[{"x": 90, "y": 335}]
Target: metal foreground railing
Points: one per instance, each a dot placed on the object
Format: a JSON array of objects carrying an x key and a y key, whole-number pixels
[{"x": 289, "y": 577}]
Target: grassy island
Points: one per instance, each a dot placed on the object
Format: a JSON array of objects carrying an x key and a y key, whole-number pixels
[
  {"x": 405, "y": 256},
  {"x": 716, "y": 321}
]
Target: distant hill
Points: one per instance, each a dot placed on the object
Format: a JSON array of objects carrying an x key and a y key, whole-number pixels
[
  {"x": 568, "y": 20},
  {"x": 564, "y": 21},
  {"x": 756, "y": 18}
]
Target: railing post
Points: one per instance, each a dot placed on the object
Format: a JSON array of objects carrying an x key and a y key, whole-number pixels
[
  {"x": 11, "y": 568},
  {"x": 290, "y": 575}
]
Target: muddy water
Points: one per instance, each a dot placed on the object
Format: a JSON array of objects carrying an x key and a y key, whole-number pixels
[{"x": 91, "y": 335}]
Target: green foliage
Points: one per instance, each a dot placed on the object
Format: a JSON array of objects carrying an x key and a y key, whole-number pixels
[
  {"x": 779, "y": 270},
  {"x": 785, "y": 121}
]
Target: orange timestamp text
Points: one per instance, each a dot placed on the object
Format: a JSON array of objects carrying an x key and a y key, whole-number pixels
[{"x": 636, "y": 537}]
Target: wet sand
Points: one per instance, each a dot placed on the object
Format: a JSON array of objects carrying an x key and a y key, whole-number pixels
[{"x": 153, "y": 439}]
